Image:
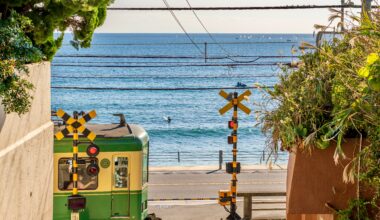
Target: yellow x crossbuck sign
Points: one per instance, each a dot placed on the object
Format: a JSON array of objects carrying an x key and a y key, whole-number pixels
[
  {"x": 231, "y": 103},
  {"x": 78, "y": 124}
]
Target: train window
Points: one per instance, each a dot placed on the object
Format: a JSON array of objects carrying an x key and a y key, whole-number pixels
[
  {"x": 121, "y": 172},
  {"x": 65, "y": 175}
]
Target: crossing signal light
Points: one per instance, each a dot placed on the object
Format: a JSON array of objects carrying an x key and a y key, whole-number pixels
[
  {"x": 92, "y": 150},
  {"x": 93, "y": 169},
  {"x": 232, "y": 124}
]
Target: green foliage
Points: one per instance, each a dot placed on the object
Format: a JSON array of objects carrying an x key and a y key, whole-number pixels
[
  {"x": 334, "y": 93},
  {"x": 47, "y": 16},
  {"x": 27, "y": 36},
  {"x": 357, "y": 209},
  {"x": 15, "y": 51}
]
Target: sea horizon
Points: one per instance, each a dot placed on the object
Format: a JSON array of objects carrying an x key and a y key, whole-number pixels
[{"x": 166, "y": 61}]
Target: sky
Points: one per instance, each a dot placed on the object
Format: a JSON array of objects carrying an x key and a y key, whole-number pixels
[{"x": 255, "y": 21}]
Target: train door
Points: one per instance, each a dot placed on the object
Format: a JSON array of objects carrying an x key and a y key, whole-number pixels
[{"x": 120, "y": 193}]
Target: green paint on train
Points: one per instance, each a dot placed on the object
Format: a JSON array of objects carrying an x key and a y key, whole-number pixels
[{"x": 120, "y": 190}]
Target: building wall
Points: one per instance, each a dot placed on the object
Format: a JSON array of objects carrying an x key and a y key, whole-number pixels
[{"x": 26, "y": 154}]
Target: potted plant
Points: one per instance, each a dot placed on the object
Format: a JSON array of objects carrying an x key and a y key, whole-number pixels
[{"x": 326, "y": 114}]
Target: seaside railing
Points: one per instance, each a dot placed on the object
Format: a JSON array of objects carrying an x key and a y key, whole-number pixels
[{"x": 215, "y": 157}]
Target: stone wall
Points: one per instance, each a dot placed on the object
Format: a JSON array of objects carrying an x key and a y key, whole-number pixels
[{"x": 26, "y": 155}]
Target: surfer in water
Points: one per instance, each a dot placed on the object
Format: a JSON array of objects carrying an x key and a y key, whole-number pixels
[{"x": 168, "y": 119}]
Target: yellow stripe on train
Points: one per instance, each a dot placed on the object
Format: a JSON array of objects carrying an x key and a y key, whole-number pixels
[{"x": 106, "y": 175}]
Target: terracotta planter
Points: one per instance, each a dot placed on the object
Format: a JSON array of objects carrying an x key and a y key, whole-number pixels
[{"x": 314, "y": 181}]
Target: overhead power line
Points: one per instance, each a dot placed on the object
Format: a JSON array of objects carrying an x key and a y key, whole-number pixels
[
  {"x": 285, "y": 7},
  {"x": 155, "y": 89},
  {"x": 171, "y": 66},
  {"x": 205, "y": 29},
  {"x": 229, "y": 55},
  {"x": 135, "y": 63},
  {"x": 168, "y": 56},
  {"x": 181, "y": 26},
  {"x": 164, "y": 77},
  {"x": 186, "y": 43}
]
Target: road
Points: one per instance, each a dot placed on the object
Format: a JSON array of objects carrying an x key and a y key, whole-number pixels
[
  {"x": 199, "y": 184},
  {"x": 175, "y": 186}
]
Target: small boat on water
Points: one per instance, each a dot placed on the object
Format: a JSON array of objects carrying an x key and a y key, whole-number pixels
[{"x": 241, "y": 85}]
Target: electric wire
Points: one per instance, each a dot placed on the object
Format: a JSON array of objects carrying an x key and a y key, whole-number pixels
[
  {"x": 172, "y": 66},
  {"x": 205, "y": 29},
  {"x": 185, "y": 43},
  {"x": 168, "y": 56},
  {"x": 163, "y": 77},
  {"x": 134, "y": 62},
  {"x": 182, "y": 27},
  {"x": 157, "y": 89},
  {"x": 284, "y": 7},
  {"x": 214, "y": 40}
]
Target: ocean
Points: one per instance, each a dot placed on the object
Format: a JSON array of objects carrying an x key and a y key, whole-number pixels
[{"x": 197, "y": 131}]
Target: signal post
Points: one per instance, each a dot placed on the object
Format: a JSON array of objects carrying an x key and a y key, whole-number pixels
[
  {"x": 228, "y": 197},
  {"x": 74, "y": 126}
]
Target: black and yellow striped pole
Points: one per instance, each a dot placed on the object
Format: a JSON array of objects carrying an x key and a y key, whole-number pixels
[
  {"x": 75, "y": 213},
  {"x": 233, "y": 168},
  {"x": 233, "y": 214},
  {"x": 74, "y": 126},
  {"x": 75, "y": 157}
]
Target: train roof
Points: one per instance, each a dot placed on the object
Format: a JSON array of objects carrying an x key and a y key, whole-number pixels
[
  {"x": 116, "y": 130},
  {"x": 134, "y": 135}
]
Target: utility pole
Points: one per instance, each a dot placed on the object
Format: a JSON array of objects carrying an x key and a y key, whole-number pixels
[
  {"x": 205, "y": 52},
  {"x": 342, "y": 16}
]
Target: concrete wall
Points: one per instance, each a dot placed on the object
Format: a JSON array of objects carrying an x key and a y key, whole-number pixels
[{"x": 26, "y": 155}]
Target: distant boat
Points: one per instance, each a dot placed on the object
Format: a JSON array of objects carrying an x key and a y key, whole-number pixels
[{"x": 240, "y": 85}]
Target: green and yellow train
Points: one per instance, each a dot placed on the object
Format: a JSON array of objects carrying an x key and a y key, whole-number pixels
[{"x": 119, "y": 189}]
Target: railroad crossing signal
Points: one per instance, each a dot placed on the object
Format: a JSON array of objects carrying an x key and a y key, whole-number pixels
[
  {"x": 74, "y": 126},
  {"x": 232, "y": 101},
  {"x": 228, "y": 197}
]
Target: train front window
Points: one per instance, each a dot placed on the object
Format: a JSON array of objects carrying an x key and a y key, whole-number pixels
[
  {"x": 65, "y": 174},
  {"x": 121, "y": 172}
]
